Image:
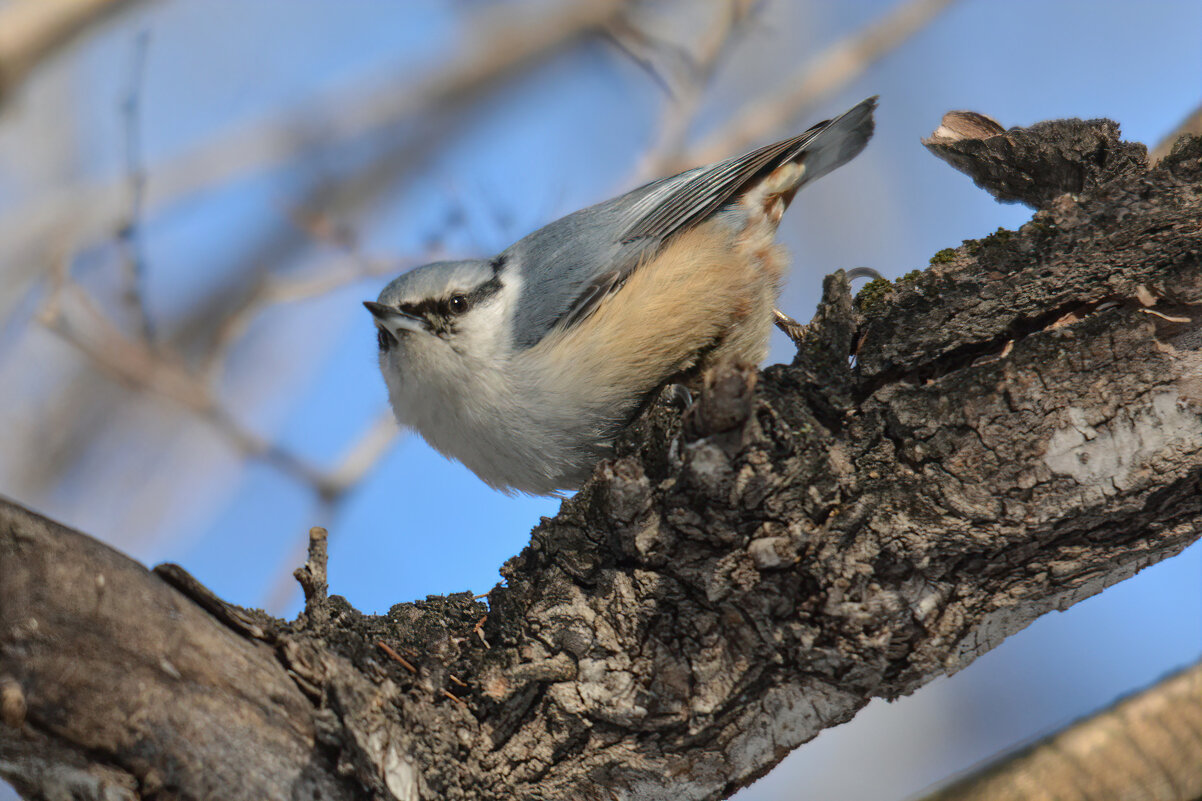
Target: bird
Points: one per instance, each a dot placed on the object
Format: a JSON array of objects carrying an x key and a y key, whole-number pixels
[{"x": 526, "y": 366}]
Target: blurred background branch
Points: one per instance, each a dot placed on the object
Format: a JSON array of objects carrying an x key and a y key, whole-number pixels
[
  {"x": 824, "y": 74},
  {"x": 1147, "y": 746},
  {"x": 1192, "y": 124},
  {"x": 499, "y": 43},
  {"x": 33, "y": 30}
]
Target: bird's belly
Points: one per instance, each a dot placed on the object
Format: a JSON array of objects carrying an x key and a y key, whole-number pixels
[{"x": 511, "y": 446}]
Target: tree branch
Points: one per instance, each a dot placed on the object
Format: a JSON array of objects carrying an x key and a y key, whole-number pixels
[
  {"x": 1190, "y": 126},
  {"x": 829, "y": 70},
  {"x": 502, "y": 43},
  {"x": 33, "y": 30},
  {"x": 1151, "y": 741},
  {"x": 1022, "y": 427},
  {"x": 131, "y": 690}
]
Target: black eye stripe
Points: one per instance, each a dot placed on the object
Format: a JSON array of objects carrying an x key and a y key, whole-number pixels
[
  {"x": 484, "y": 291},
  {"x": 422, "y": 308},
  {"x": 441, "y": 307}
]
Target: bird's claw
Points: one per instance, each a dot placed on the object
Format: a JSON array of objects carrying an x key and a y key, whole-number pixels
[
  {"x": 791, "y": 328},
  {"x": 678, "y": 395}
]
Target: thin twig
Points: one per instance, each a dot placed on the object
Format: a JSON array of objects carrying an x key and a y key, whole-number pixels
[
  {"x": 312, "y": 577},
  {"x": 478, "y": 630},
  {"x": 402, "y": 661},
  {"x": 635, "y": 46},
  {"x": 130, "y": 232},
  {"x": 462, "y": 704},
  {"x": 357, "y": 461}
]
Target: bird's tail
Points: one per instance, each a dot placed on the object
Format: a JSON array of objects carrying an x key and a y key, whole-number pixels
[
  {"x": 832, "y": 143},
  {"x": 790, "y": 164},
  {"x": 775, "y": 172}
]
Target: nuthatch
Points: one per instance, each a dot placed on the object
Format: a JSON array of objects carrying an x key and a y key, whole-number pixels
[{"x": 526, "y": 366}]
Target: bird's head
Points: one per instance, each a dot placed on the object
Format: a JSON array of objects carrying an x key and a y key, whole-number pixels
[{"x": 443, "y": 317}]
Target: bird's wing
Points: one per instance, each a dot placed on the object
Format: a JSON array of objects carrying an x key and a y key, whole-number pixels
[{"x": 674, "y": 204}]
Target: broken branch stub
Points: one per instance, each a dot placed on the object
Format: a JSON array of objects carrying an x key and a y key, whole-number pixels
[{"x": 1038, "y": 164}]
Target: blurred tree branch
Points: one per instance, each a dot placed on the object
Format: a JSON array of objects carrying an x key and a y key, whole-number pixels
[
  {"x": 33, "y": 30},
  {"x": 1022, "y": 428},
  {"x": 774, "y": 108},
  {"x": 1147, "y": 746},
  {"x": 70, "y": 313},
  {"x": 833, "y": 68},
  {"x": 503, "y": 42},
  {"x": 1190, "y": 126}
]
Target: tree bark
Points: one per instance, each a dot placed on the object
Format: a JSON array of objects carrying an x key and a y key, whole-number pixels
[{"x": 1021, "y": 428}]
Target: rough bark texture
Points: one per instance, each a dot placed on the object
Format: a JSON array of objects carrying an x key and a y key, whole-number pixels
[{"x": 1021, "y": 428}]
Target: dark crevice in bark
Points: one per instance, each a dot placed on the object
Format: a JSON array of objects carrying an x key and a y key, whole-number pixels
[{"x": 970, "y": 353}]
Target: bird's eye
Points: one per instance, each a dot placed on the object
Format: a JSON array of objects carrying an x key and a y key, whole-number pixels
[{"x": 458, "y": 304}]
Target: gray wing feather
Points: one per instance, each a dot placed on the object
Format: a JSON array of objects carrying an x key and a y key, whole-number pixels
[{"x": 596, "y": 291}]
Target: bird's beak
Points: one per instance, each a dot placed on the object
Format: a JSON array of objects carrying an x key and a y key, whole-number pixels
[{"x": 393, "y": 320}]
